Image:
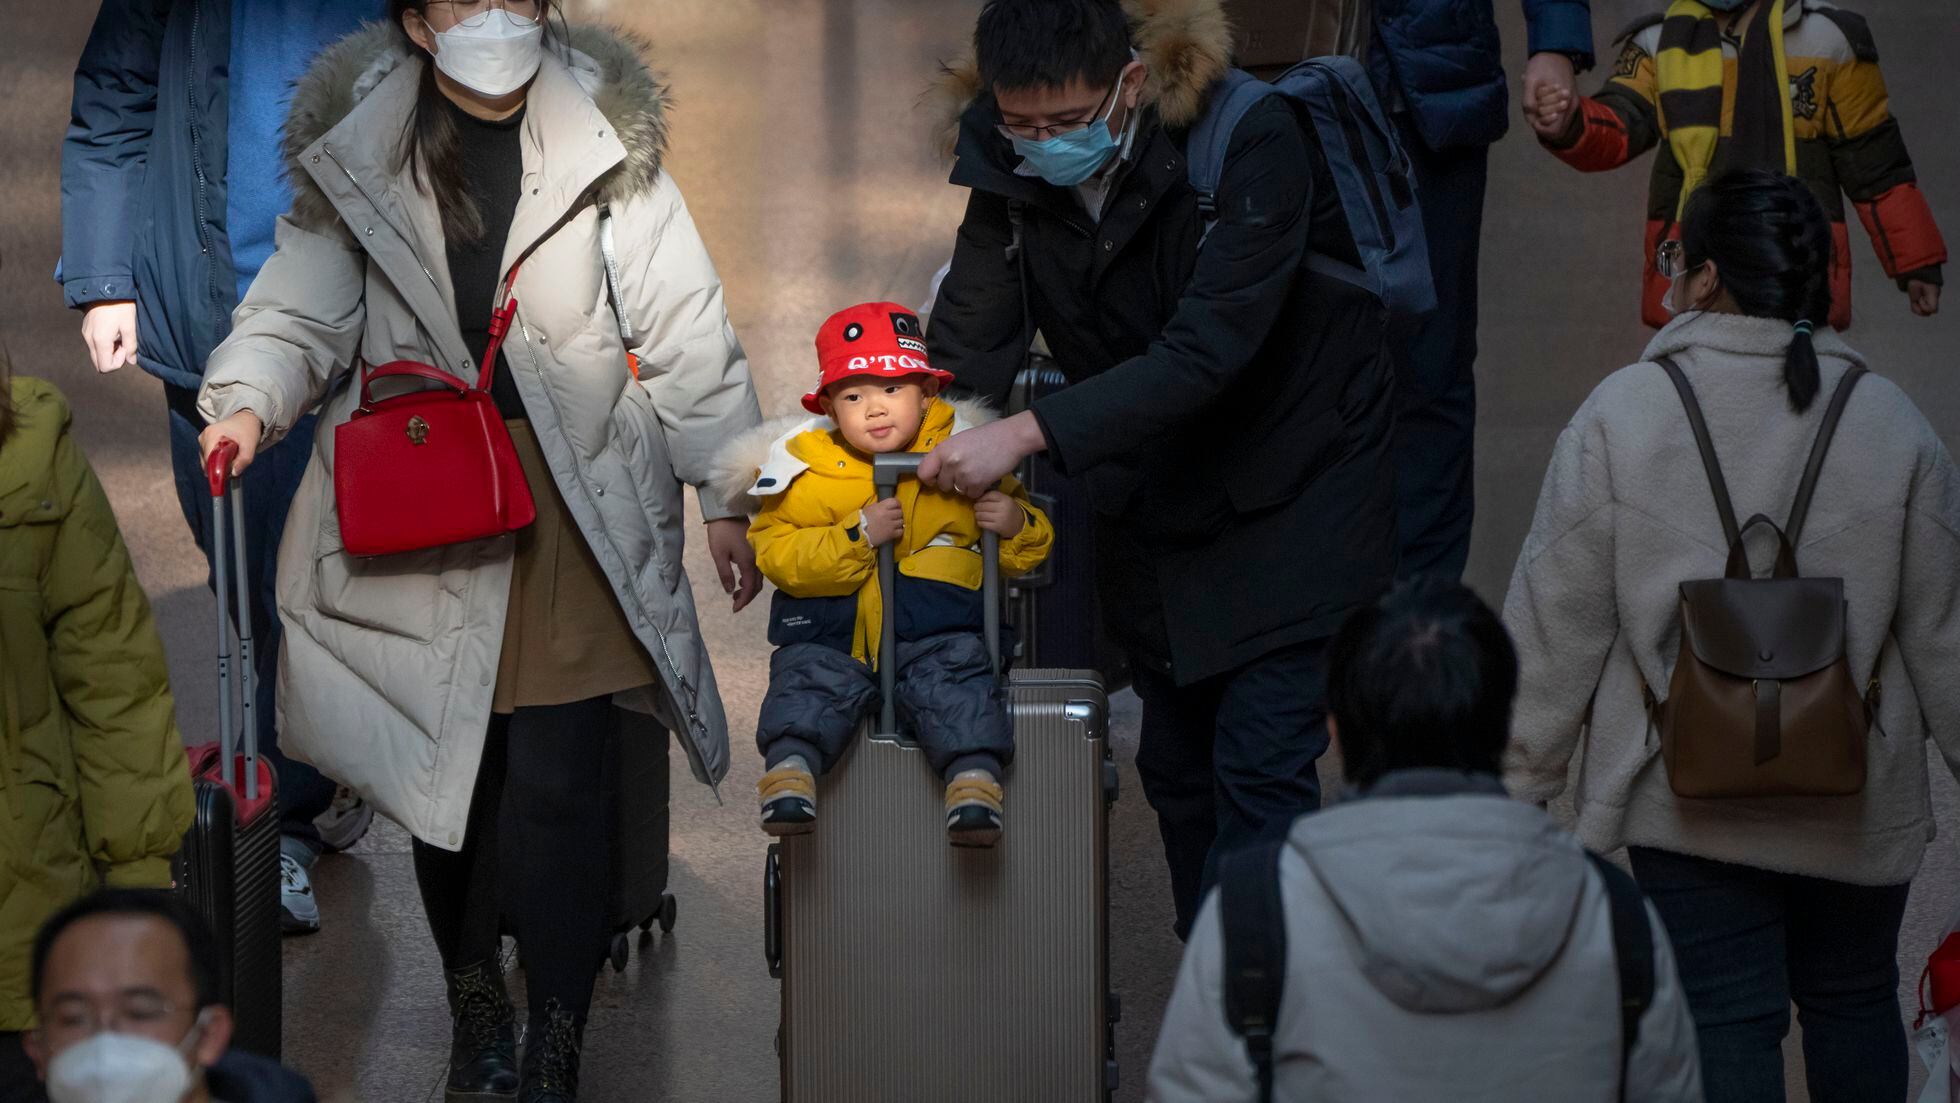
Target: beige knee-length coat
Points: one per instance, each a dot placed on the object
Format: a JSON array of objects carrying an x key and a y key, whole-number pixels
[{"x": 389, "y": 664}]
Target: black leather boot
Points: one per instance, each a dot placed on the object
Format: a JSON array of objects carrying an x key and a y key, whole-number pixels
[
  {"x": 483, "y": 1042},
  {"x": 551, "y": 1051}
]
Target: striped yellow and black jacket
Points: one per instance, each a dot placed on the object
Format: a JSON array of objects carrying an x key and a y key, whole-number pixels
[{"x": 1848, "y": 145}]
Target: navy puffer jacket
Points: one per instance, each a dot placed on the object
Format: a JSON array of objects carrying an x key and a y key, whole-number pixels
[
  {"x": 143, "y": 178},
  {"x": 1444, "y": 59}
]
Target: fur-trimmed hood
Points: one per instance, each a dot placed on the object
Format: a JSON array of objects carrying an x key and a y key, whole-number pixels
[
  {"x": 609, "y": 65},
  {"x": 763, "y": 451},
  {"x": 1187, "y": 45}
]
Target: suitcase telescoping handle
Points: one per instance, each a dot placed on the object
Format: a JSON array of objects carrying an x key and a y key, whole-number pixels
[
  {"x": 886, "y": 471},
  {"x": 234, "y": 597}
]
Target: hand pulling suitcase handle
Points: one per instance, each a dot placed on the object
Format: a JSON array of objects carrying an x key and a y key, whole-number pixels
[
  {"x": 886, "y": 471},
  {"x": 228, "y": 517}
]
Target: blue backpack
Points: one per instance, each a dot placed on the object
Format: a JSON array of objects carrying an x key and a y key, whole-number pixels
[{"x": 1334, "y": 98}]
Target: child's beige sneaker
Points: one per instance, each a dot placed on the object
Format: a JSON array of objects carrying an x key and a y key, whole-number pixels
[
  {"x": 973, "y": 808},
  {"x": 789, "y": 799}
]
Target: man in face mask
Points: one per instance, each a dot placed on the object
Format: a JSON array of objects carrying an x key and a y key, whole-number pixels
[
  {"x": 1228, "y": 407},
  {"x": 125, "y": 985}
]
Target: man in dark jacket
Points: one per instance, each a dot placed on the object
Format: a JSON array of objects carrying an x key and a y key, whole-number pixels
[
  {"x": 1229, "y": 409},
  {"x": 170, "y": 186},
  {"x": 126, "y": 985},
  {"x": 1440, "y": 67}
]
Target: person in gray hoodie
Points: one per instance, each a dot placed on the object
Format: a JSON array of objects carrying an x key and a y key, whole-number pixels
[
  {"x": 1768, "y": 900},
  {"x": 1442, "y": 940}
]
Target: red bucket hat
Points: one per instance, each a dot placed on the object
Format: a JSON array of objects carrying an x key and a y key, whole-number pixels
[{"x": 884, "y": 340}]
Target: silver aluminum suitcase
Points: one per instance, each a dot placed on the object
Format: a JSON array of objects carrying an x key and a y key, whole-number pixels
[{"x": 913, "y": 970}]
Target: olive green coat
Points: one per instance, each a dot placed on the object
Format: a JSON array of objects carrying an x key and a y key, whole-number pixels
[{"x": 93, "y": 786}]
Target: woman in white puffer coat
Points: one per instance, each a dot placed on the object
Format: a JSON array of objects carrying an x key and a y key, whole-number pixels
[{"x": 468, "y": 691}]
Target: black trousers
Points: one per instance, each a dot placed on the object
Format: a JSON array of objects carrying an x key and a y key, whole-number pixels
[
  {"x": 537, "y": 856},
  {"x": 1230, "y": 761},
  {"x": 1435, "y": 380}
]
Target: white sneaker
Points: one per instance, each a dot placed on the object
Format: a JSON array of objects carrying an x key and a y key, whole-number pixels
[
  {"x": 345, "y": 821},
  {"x": 299, "y": 912}
]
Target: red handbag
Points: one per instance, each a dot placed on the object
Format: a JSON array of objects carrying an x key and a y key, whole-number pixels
[{"x": 431, "y": 467}]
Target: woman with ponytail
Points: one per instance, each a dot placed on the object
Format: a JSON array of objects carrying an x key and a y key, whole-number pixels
[
  {"x": 476, "y": 171},
  {"x": 1768, "y": 900}
]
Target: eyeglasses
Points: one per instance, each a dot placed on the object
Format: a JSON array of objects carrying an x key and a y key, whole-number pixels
[
  {"x": 1671, "y": 260},
  {"x": 464, "y": 10},
  {"x": 1056, "y": 130},
  {"x": 78, "y": 1017}
]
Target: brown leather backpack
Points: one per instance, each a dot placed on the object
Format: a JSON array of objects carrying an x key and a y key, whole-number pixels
[{"x": 1763, "y": 702}]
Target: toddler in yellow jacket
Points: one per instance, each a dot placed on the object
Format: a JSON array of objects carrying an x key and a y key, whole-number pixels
[{"x": 817, "y": 535}]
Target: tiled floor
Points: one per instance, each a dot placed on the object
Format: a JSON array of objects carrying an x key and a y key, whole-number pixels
[{"x": 809, "y": 168}]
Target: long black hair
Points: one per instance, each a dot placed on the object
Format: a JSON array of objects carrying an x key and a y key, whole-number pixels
[
  {"x": 1771, "y": 244},
  {"x": 429, "y": 147}
]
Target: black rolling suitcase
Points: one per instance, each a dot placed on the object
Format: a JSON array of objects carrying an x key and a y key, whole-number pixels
[
  {"x": 914, "y": 970},
  {"x": 1055, "y": 609},
  {"x": 228, "y": 868},
  {"x": 641, "y": 784}
]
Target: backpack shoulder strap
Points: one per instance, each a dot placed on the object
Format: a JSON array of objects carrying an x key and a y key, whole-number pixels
[
  {"x": 1800, "y": 511},
  {"x": 1236, "y": 93},
  {"x": 1709, "y": 460},
  {"x": 1253, "y": 919},
  {"x": 1633, "y": 953}
]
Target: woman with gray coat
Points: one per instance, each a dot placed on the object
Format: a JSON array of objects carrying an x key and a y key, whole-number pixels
[
  {"x": 465, "y": 152},
  {"x": 1767, "y": 899}
]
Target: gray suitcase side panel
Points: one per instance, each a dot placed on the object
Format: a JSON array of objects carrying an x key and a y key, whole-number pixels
[{"x": 990, "y": 981}]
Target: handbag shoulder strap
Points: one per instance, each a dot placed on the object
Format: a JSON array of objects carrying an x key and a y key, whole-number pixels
[
  {"x": 500, "y": 320},
  {"x": 1800, "y": 511},
  {"x": 1709, "y": 460}
]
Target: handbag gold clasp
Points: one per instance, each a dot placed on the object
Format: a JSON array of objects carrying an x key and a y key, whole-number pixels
[{"x": 418, "y": 430}]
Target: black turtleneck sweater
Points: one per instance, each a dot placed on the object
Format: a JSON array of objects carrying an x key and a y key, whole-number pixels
[{"x": 493, "y": 170}]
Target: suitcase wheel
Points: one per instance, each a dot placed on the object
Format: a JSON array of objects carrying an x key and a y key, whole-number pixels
[
  {"x": 670, "y": 910},
  {"x": 620, "y": 949}
]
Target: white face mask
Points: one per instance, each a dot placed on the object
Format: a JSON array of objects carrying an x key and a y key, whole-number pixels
[
  {"x": 1671, "y": 299},
  {"x": 493, "y": 54},
  {"x": 122, "y": 1068}
]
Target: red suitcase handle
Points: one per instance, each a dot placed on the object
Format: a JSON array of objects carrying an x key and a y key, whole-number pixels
[
  {"x": 217, "y": 466},
  {"x": 234, "y": 597}
]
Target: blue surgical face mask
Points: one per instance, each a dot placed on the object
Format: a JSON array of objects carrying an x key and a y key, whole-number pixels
[
  {"x": 1068, "y": 159},
  {"x": 1724, "y": 5}
]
